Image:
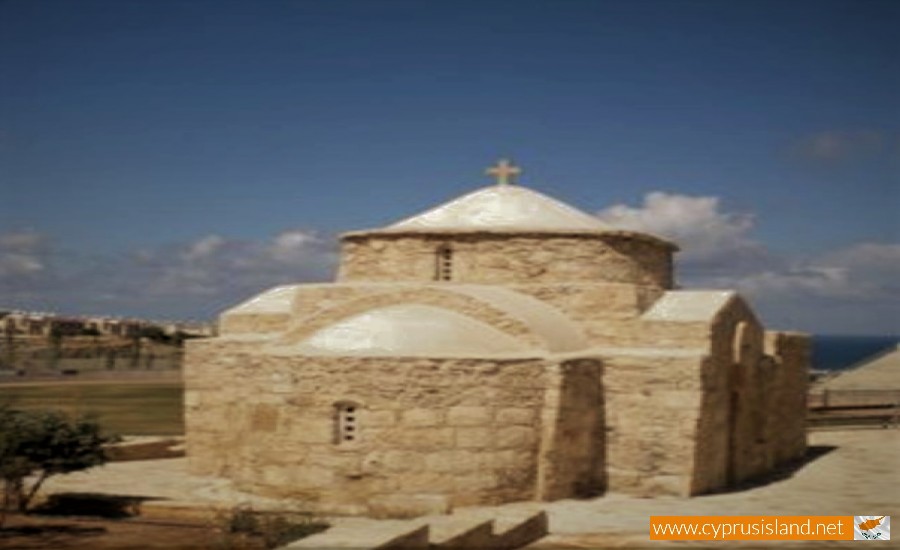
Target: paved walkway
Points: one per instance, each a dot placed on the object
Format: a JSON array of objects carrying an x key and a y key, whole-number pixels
[
  {"x": 161, "y": 482},
  {"x": 856, "y": 472}
]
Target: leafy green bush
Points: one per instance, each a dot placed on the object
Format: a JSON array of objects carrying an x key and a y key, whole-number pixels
[{"x": 39, "y": 444}]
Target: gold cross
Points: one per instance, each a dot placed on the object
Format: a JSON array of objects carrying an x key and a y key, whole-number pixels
[{"x": 505, "y": 172}]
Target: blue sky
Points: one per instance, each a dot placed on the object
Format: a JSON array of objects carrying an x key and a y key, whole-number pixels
[{"x": 153, "y": 152}]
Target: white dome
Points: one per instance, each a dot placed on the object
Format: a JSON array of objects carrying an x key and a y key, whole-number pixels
[
  {"x": 411, "y": 329},
  {"x": 504, "y": 207}
]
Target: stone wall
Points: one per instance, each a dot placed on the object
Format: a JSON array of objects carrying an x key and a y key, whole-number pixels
[
  {"x": 692, "y": 406},
  {"x": 572, "y": 458},
  {"x": 754, "y": 408},
  {"x": 653, "y": 405},
  {"x": 253, "y": 323},
  {"x": 790, "y": 354},
  {"x": 508, "y": 258},
  {"x": 708, "y": 413},
  {"x": 608, "y": 313},
  {"x": 737, "y": 351},
  {"x": 433, "y": 433}
]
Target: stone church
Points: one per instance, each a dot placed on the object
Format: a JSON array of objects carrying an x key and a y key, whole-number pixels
[{"x": 503, "y": 346}]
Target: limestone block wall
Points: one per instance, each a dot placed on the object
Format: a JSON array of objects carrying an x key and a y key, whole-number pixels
[
  {"x": 506, "y": 258},
  {"x": 610, "y": 316},
  {"x": 608, "y": 313},
  {"x": 714, "y": 438},
  {"x": 737, "y": 351},
  {"x": 572, "y": 456},
  {"x": 432, "y": 433},
  {"x": 699, "y": 412},
  {"x": 653, "y": 405},
  {"x": 790, "y": 356},
  {"x": 588, "y": 302},
  {"x": 748, "y": 445},
  {"x": 754, "y": 405},
  {"x": 254, "y": 323}
]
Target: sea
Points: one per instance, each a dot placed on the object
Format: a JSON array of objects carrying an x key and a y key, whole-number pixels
[{"x": 835, "y": 352}]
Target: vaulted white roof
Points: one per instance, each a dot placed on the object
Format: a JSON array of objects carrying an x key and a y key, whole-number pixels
[
  {"x": 274, "y": 300},
  {"x": 411, "y": 329},
  {"x": 501, "y": 207}
]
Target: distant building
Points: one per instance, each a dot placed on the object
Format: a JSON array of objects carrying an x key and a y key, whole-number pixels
[
  {"x": 189, "y": 328},
  {"x": 20, "y": 323},
  {"x": 115, "y": 327}
]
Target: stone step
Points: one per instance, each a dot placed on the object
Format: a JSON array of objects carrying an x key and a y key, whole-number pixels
[
  {"x": 515, "y": 530},
  {"x": 481, "y": 529},
  {"x": 510, "y": 528},
  {"x": 453, "y": 532},
  {"x": 367, "y": 535}
]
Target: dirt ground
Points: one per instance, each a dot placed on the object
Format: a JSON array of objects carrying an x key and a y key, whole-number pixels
[{"x": 50, "y": 533}]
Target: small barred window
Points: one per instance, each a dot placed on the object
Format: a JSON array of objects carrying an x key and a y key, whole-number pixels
[
  {"x": 346, "y": 422},
  {"x": 444, "y": 263}
]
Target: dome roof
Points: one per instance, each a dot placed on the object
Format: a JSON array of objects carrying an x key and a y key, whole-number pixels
[
  {"x": 411, "y": 329},
  {"x": 501, "y": 207}
]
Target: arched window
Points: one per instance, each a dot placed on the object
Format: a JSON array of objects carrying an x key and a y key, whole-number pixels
[
  {"x": 346, "y": 424},
  {"x": 443, "y": 270}
]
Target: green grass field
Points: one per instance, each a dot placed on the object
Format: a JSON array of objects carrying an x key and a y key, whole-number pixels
[{"x": 124, "y": 409}]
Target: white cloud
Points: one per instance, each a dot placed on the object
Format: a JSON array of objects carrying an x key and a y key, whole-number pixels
[
  {"x": 865, "y": 271},
  {"x": 290, "y": 245},
  {"x": 199, "y": 277},
  {"x": 713, "y": 242},
  {"x": 21, "y": 256},
  {"x": 215, "y": 266},
  {"x": 204, "y": 247},
  {"x": 853, "y": 289},
  {"x": 825, "y": 281}
]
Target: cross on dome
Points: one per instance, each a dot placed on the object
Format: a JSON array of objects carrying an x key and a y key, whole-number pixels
[{"x": 504, "y": 171}]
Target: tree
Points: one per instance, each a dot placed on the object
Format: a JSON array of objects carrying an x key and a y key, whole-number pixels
[{"x": 35, "y": 445}]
